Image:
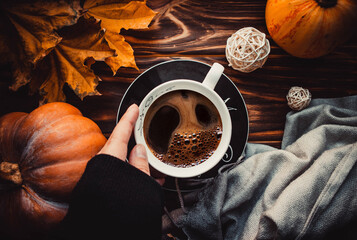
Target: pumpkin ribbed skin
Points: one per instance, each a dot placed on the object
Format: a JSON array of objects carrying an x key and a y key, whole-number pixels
[
  {"x": 310, "y": 28},
  {"x": 51, "y": 147}
]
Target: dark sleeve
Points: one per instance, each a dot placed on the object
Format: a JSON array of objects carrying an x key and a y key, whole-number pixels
[{"x": 113, "y": 200}]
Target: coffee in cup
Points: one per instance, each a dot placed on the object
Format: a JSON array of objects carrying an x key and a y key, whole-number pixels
[{"x": 182, "y": 128}]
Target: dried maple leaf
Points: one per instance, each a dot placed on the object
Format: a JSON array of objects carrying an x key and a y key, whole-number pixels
[
  {"x": 124, "y": 52},
  {"x": 66, "y": 62},
  {"x": 47, "y": 53},
  {"x": 115, "y": 16},
  {"x": 27, "y": 32}
]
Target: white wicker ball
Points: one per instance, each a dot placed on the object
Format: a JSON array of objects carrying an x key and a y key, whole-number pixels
[
  {"x": 247, "y": 49},
  {"x": 298, "y": 98}
]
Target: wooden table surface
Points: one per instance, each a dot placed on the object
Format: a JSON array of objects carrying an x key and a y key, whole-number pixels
[{"x": 198, "y": 30}]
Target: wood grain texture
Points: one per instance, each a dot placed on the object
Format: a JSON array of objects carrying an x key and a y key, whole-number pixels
[{"x": 198, "y": 30}]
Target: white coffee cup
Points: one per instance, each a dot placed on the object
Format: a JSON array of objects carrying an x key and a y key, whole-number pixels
[{"x": 206, "y": 88}]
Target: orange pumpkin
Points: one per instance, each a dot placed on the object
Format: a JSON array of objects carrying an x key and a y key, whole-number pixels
[
  {"x": 42, "y": 156},
  {"x": 310, "y": 28}
]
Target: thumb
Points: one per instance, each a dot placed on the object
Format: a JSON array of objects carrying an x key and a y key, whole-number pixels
[{"x": 138, "y": 158}]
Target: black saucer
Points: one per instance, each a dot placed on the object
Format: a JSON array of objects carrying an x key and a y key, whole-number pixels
[{"x": 187, "y": 69}]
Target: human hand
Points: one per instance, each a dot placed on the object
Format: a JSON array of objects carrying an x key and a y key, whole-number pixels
[{"x": 117, "y": 144}]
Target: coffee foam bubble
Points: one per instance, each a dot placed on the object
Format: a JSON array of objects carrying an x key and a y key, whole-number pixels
[{"x": 191, "y": 147}]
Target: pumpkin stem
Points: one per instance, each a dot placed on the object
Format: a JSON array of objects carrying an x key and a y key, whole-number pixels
[
  {"x": 10, "y": 172},
  {"x": 326, "y": 3}
]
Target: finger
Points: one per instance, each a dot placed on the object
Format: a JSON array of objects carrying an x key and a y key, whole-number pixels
[
  {"x": 117, "y": 143},
  {"x": 138, "y": 158}
]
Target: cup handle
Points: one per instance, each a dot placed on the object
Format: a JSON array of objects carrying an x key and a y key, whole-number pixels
[{"x": 213, "y": 75}]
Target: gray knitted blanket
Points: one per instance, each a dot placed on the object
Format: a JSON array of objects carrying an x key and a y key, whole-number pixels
[{"x": 306, "y": 190}]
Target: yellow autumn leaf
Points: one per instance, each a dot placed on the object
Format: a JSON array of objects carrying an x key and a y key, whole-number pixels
[
  {"x": 53, "y": 43},
  {"x": 124, "y": 52},
  {"x": 66, "y": 62},
  {"x": 115, "y": 16},
  {"x": 27, "y": 32},
  {"x": 47, "y": 81}
]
